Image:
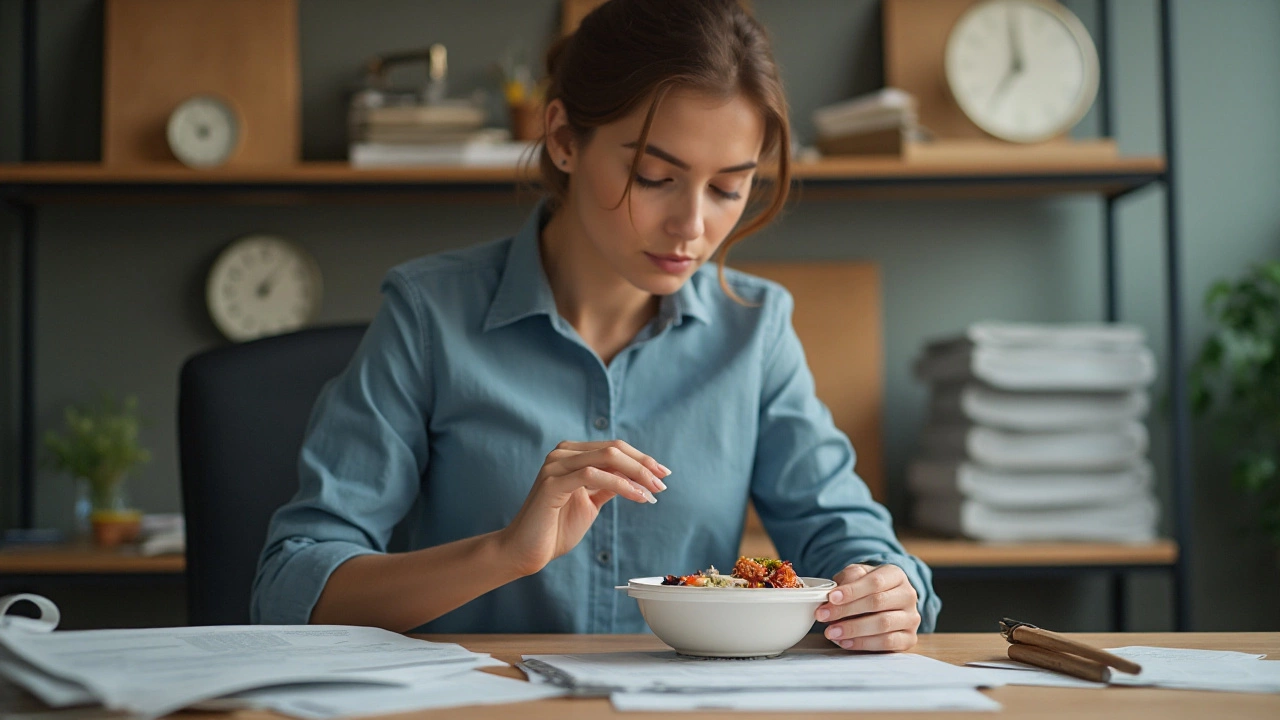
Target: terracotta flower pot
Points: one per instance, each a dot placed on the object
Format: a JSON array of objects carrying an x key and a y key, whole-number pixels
[{"x": 115, "y": 527}]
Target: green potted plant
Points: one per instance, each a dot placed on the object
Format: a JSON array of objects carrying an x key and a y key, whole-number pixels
[
  {"x": 98, "y": 448},
  {"x": 1236, "y": 378}
]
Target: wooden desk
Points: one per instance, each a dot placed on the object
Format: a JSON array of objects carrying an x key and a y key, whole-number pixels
[{"x": 1019, "y": 702}]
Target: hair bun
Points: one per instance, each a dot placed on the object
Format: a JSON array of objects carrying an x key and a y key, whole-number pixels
[{"x": 555, "y": 55}]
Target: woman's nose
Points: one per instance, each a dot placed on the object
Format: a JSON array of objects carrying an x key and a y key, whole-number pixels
[{"x": 685, "y": 221}]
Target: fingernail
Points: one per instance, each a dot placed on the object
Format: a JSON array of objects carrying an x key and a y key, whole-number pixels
[
  {"x": 644, "y": 493},
  {"x": 658, "y": 481},
  {"x": 835, "y": 596},
  {"x": 847, "y": 644},
  {"x": 824, "y": 614},
  {"x": 834, "y": 632},
  {"x": 665, "y": 469}
]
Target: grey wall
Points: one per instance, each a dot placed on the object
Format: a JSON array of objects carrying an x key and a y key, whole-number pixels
[{"x": 120, "y": 286}]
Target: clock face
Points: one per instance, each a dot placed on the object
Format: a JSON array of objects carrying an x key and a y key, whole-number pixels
[
  {"x": 1022, "y": 70},
  {"x": 203, "y": 132},
  {"x": 262, "y": 285}
]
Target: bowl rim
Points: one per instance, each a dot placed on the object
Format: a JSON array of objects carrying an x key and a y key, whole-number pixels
[{"x": 651, "y": 588}]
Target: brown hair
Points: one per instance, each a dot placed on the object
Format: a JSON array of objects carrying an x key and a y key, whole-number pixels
[{"x": 627, "y": 51}]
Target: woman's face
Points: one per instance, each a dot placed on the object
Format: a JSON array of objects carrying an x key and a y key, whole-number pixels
[{"x": 690, "y": 190}]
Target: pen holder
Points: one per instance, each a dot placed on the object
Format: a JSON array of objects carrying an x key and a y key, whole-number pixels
[{"x": 526, "y": 120}]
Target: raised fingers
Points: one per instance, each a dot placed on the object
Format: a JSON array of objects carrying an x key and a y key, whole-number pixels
[
  {"x": 595, "y": 479},
  {"x": 613, "y": 459},
  {"x": 657, "y": 469}
]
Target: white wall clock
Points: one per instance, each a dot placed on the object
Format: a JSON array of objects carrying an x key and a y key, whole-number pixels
[
  {"x": 262, "y": 285},
  {"x": 204, "y": 132},
  {"x": 1022, "y": 70}
]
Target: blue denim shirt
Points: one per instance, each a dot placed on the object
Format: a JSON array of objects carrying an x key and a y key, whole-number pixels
[{"x": 468, "y": 377}]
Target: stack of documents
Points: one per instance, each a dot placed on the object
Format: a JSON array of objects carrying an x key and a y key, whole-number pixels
[
  {"x": 314, "y": 671},
  {"x": 878, "y": 123},
  {"x": 449, "y": 132},
  {"x": 1035, "y": 433},
  {"x": 797, "y": 680}
]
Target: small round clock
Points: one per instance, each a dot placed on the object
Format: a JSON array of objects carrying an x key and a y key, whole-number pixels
[
  {"x": 262, "y": 285},
  {"x": 203, "y": 132},
  {"x": 1022, "y": 70}
]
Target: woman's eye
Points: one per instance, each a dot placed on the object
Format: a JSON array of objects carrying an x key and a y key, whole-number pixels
[
  {"x": 727, "y": 194},
  {"x": 646, "y": 182}
]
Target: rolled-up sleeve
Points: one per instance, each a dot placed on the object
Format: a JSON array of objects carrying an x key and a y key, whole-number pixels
[
  {"x": 815, "y": 508},
  {"x": 362, "y": 458}
]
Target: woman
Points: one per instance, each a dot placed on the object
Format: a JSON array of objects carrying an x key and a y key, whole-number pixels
[{"x": 656, "y": 390}]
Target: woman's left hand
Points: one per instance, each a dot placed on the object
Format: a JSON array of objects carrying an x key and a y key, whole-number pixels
[{"x": 871, "y": 608}]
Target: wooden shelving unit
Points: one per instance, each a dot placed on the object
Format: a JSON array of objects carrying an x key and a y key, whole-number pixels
[{"x": 1002, "y": 175}]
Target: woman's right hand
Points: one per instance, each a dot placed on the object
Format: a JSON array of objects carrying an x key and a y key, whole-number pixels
[{"x": 575, "y": 481}]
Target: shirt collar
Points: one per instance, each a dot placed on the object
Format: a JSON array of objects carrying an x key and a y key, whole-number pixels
[{"x": 524, "y": 291}]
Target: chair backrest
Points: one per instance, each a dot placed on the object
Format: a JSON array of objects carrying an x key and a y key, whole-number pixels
[
  {"x": 242, "y": 412},
  {"x": 838, "y": 320}
]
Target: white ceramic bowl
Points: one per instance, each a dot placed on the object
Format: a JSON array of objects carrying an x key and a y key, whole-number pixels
[{"x": 729, "y": 622}]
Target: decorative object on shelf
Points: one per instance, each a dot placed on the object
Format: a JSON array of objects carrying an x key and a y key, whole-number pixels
[
  {"x": 204, "y": 132},
  {"x": 1021, "y": 71},
  {"x": 524, "y": 98},
  {"x": 1236, "y": 377},
  {"x": 98, "y": 448},
  {"x": 262, "y": 285},
  {"x": 882, "y": 123},
  {"x": 408, "y": 126},
  {"x": 158, "y": 54}
]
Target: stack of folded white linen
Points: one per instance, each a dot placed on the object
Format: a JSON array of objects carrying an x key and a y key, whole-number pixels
[{"x": 1035, "y": 432}]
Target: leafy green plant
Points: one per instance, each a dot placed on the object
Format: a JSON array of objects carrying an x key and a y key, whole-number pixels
[
  {"x": 1235, "y": 381},
  {"x": 100, "y": 444}
]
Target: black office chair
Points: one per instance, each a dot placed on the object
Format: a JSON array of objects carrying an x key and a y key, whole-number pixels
[{"x": 242, "y": 411}]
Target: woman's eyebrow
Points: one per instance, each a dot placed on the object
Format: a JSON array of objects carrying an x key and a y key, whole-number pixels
[{"x": 664, "y": 155}]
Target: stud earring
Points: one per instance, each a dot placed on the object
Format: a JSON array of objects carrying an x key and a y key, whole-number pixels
[{"x": 564, "y": 161}]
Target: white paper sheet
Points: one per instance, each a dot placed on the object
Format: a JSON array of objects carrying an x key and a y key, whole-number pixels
[
  {"x": 1174, "y": 668},
  {"x": 470, "y": 688},
  {"x": 1016, "y": 673},
  {"x": 664, "y": 671},
  {"x": 155, "y": 671},
  {"x": 917, "y": 699},
  {"x": 1199, "y": 670}
]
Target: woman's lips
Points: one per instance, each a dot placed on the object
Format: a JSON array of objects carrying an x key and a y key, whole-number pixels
[{"x": 673, "y": 264}]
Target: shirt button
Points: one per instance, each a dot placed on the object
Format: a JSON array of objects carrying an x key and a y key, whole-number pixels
[
  {"x": 601, "y": 422},
  {"x": 603, "y": 557}
]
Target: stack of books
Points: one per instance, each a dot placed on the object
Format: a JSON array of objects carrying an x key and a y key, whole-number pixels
[
  {"x": 1035, "y": 432},
  {"x": 445, "y": 133},
  {"x": 879, "y": 123}
]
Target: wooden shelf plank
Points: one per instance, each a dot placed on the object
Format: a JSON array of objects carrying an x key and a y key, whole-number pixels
[
  {"x": 85, "y": 560},
  {"x": 998, "y": 177},
  {"x": 958, "y": 553}
]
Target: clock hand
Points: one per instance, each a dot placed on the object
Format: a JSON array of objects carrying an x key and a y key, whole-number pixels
[
  {"x": 1015, "y": 60},
  {"x": 1015, "y": 43},
  {"x": 264, "y": 287}
]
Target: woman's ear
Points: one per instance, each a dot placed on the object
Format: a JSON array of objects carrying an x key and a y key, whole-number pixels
[{"x": 561, "y": 144}]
